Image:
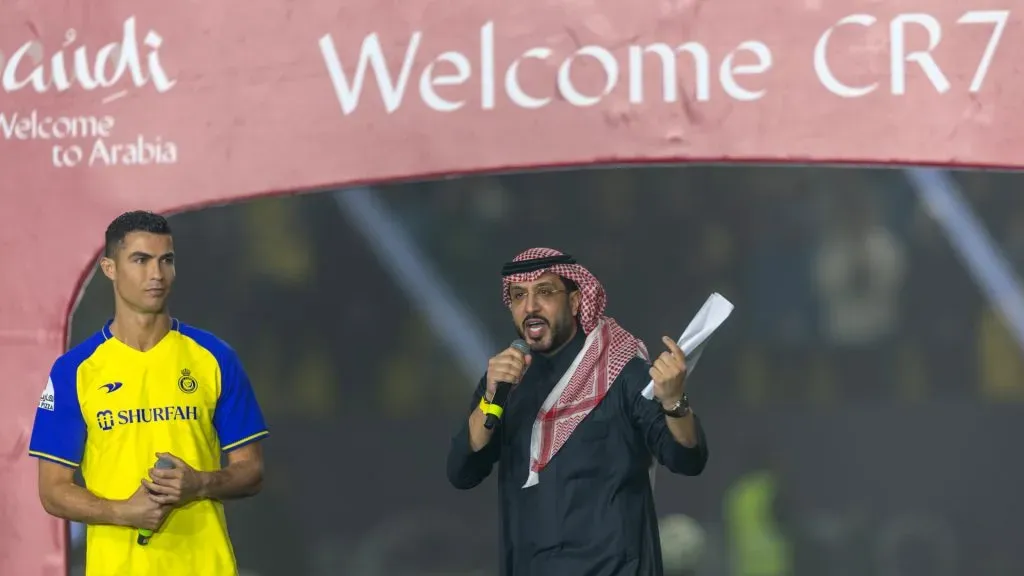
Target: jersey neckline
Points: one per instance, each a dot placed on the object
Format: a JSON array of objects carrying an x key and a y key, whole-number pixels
[{"x": 108, "y": 336}]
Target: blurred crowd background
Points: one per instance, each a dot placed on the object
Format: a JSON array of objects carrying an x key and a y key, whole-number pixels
[{"x": 861, "y": 403}]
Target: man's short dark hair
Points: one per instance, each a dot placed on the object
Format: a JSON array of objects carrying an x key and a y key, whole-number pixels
[{"x": 136, "y": 221}]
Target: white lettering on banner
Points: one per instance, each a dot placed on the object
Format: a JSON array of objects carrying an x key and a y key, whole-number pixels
[
  {"x": 899, "y": 56},
  {"x": 512, "y": 87},
  {"x": 392, "y": 87},
  {"x": 998, "y": 19},
  {"x": 140, "y": 152},
  {"x": 727, "y": 72},
  {"x": 104, "y": 70},
  {"x": 701, "y": 60},
  {"x": 669, "y": 70},
  {"x": 441, "y": 76},
  {"x": 824, "y": 72},
  {"x": 92, "y": 142},
  {"x": 428, "y": 81},
  {"x": 371, "y": 54},
  {"x": 611, "y": 72},
  {"x": 32, "y": 126}
]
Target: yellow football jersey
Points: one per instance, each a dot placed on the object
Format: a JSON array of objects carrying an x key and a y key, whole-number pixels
[{"x": 110, "y": 409}]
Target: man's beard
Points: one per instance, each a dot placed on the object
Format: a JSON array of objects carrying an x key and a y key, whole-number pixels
[{"x": 560, "y": 331}]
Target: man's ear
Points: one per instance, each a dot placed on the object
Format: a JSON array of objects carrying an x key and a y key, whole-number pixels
[
  {"x": 108, "y": 267},
  {"x": 574, "y": 302}
]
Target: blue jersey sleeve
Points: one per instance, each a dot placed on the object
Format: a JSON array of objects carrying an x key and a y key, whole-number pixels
[
  {"x": 238, "y": 418},
  {"x": 58, "y": 434}
]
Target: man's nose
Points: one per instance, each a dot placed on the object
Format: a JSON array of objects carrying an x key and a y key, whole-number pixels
[
  {"x": 532, "y": 302},
  {"x": 156, "y": 271}
]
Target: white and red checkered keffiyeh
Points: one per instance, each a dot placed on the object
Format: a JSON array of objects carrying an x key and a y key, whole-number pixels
[{"x": 608, "y": 349}]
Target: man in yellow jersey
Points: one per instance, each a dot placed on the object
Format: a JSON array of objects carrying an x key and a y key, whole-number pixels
[{"x": 147, "y": 386}]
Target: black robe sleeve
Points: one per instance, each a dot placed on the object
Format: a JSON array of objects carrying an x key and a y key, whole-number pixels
[
  {"x": 467, "y": 469},
  {"x": 648, "y": 419}
]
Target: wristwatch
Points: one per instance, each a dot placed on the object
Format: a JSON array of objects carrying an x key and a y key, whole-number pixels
[{"x": 678, "y": 410}]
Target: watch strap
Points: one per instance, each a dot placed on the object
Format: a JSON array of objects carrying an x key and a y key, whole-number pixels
[{"x": 679, "y": 410}]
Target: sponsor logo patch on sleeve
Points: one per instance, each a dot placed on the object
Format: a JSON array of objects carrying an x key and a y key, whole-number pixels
[{"x": 46, "y": 400}]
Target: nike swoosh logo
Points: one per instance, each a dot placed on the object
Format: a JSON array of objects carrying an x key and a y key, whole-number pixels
[{"x": 112, "y": 386}]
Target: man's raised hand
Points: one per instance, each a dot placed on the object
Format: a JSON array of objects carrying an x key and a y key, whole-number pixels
[
  {"x": 508, "y": 366},
  {"x": 669, "y": 373}
]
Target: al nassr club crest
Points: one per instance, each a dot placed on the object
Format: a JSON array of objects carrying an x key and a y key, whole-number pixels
[{"x": 187, "y": 383}]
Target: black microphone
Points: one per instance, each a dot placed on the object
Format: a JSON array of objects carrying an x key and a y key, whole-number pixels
[
  {"x": 144, "y": 533},
  {"x": 502, "y": 390}
]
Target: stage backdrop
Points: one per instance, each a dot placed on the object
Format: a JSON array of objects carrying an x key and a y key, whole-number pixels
[{"x": 115, "y": 104}]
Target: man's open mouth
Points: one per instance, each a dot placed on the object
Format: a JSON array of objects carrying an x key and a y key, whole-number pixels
[{"x": 535, "y": 327}]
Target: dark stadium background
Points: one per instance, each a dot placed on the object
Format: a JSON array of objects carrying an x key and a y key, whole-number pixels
[{"x": 897, "y": 455}]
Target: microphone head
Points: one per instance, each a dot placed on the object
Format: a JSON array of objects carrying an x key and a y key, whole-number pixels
[
  {"x": 164, "y": 464},
  {"x": 521, "y": 345}
]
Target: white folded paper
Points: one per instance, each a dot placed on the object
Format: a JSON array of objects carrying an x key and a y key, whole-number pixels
[{"x": 710, "y": 316}]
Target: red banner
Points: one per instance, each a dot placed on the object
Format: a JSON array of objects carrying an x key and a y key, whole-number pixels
[{"x": 118, "y": 104}]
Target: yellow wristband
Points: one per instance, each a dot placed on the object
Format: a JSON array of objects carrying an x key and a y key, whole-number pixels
[{"x": 488, "y": 408}]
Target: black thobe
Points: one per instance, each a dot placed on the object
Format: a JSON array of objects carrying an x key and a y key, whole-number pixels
[{"x": 592, "y": 514}]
